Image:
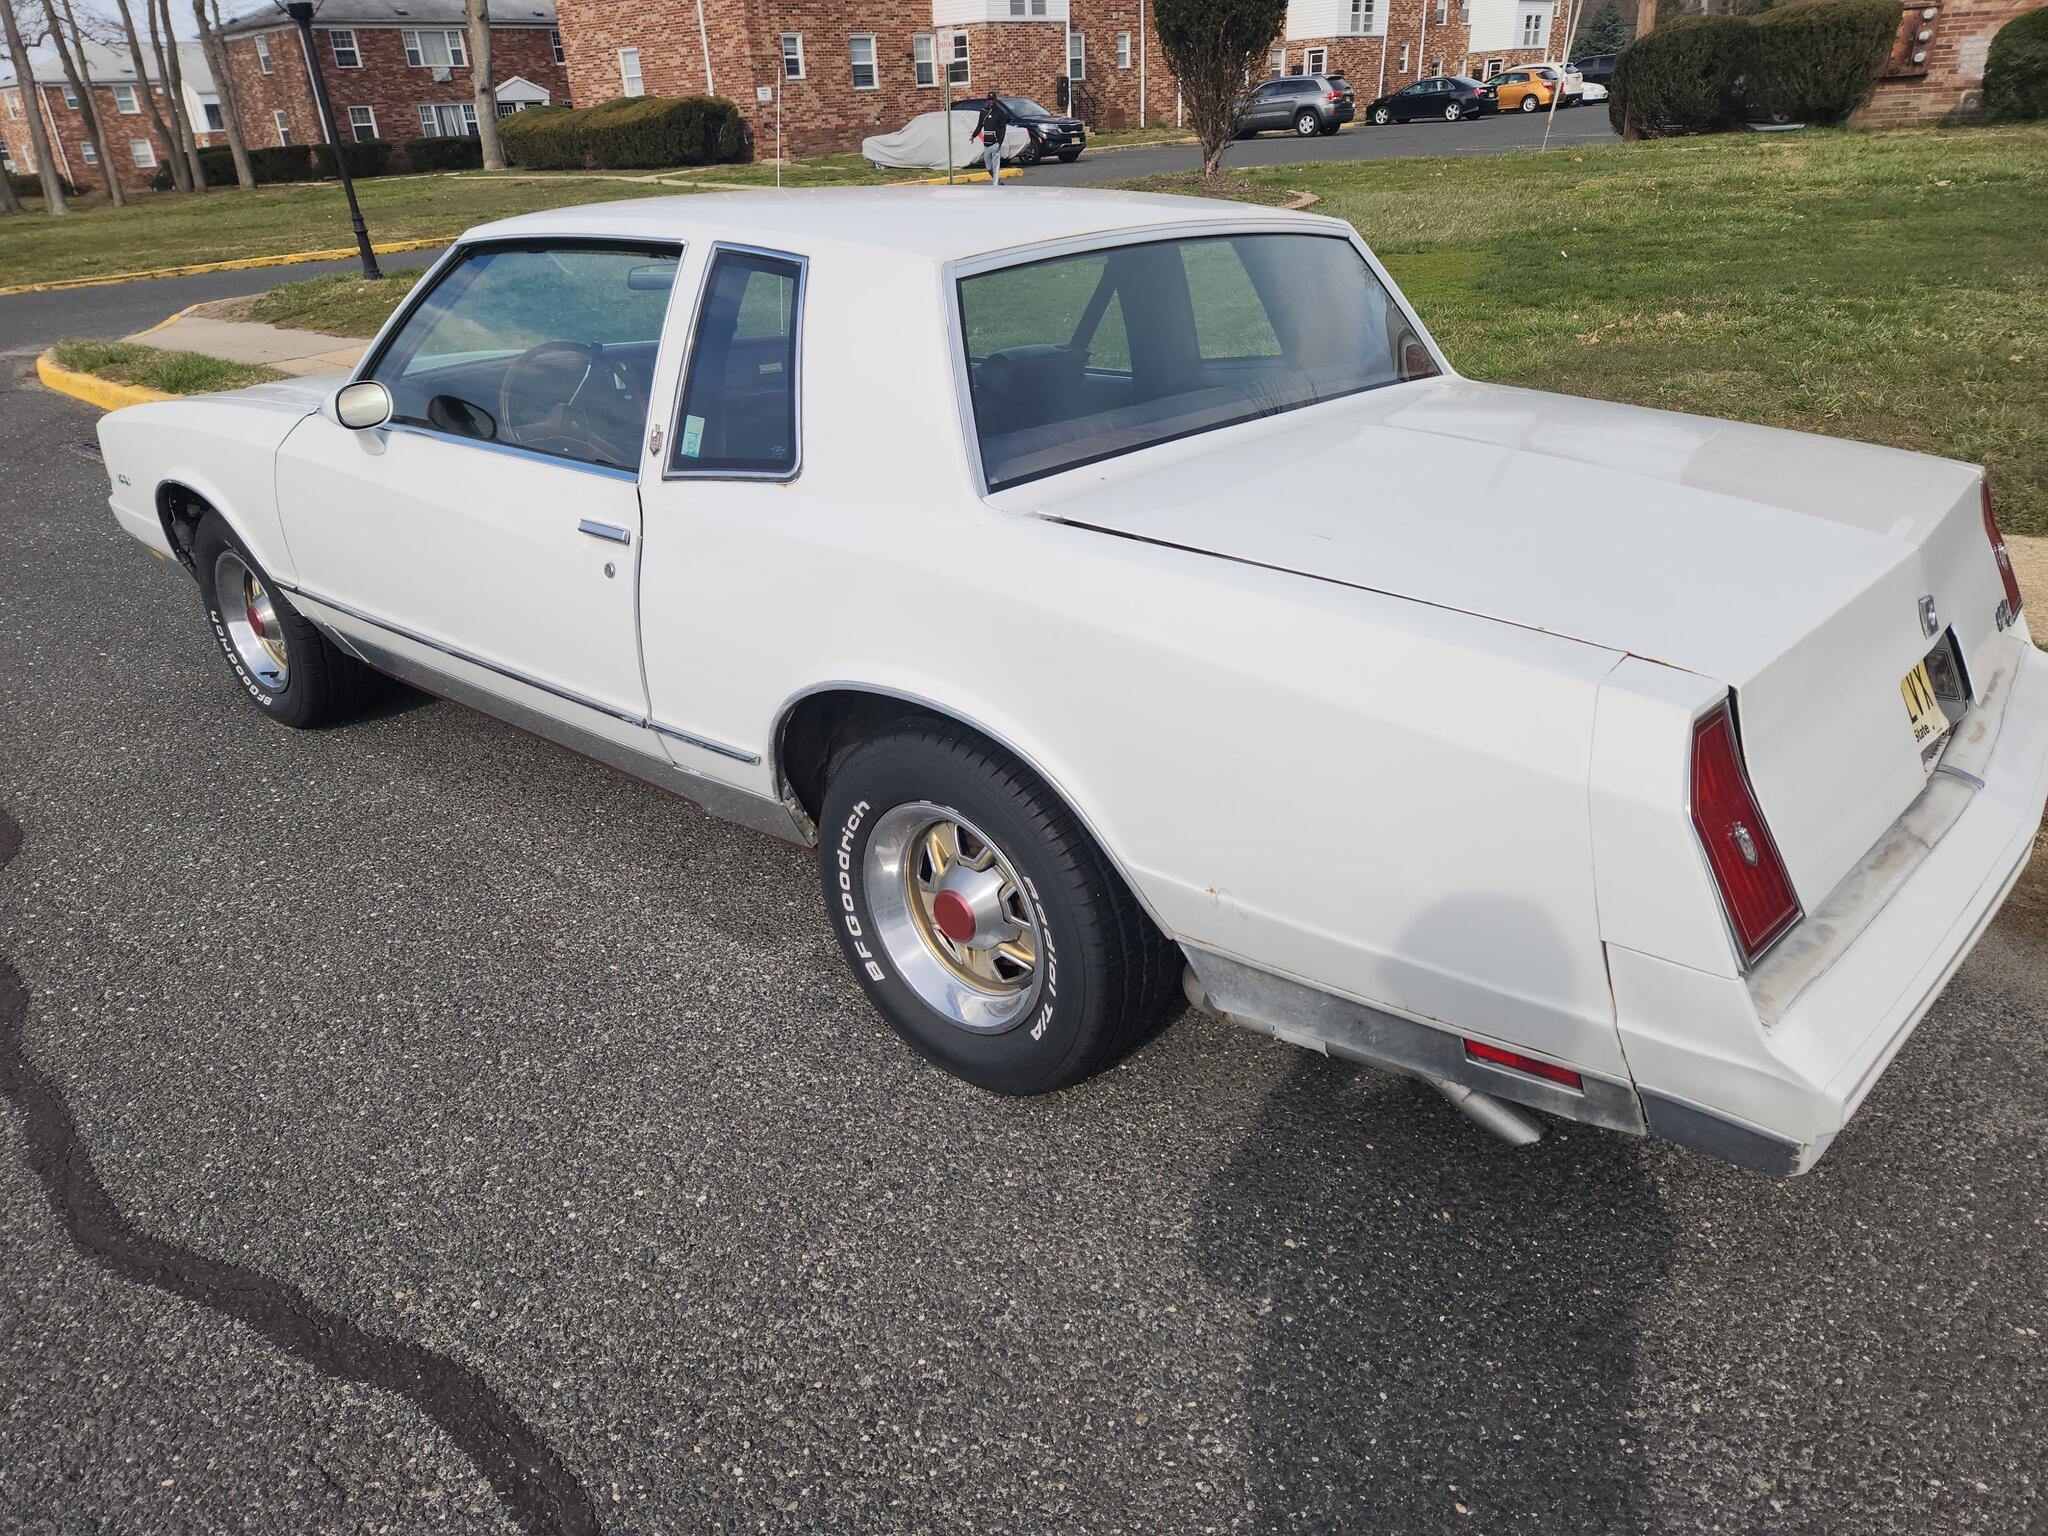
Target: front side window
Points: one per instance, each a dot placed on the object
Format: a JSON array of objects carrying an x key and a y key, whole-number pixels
[
  {"x": 739, "y": 411},
  {"x": 1081, "y": 358},
  {"x": 546, "y": 348},
  {"x": 792, "y": 55},
  {"x": 862, "y": 49},
  {"x": 346, "y": 54},
  {"x": 631, "y": 81},
  {"x": 924, "y": 63}
]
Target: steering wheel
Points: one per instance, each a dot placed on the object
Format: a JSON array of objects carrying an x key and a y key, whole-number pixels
[{"x": 569, "y": 427}]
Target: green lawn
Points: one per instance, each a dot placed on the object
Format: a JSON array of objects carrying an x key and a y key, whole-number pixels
[
  {"x": 175, "y": 373},
  {"x": 1888, "y": 286},
  {"x": 340, "y": 305}
]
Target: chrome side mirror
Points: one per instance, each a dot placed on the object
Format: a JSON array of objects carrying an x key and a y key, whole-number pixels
[{"x": 361, "y": 406}]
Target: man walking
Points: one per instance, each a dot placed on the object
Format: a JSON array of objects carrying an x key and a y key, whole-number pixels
[{"x": 991, "y": 130}]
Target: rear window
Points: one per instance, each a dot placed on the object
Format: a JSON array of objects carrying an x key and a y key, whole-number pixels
[{"x": 1081, "y": 358}]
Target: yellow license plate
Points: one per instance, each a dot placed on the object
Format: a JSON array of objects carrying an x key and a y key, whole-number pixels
[{"x": 1921, "y": 704}]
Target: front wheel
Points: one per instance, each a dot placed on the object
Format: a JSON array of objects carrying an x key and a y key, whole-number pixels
[
  {"x": 980, "y": 917},
  {"x": 1307, "y": 124},
  {"x": 1381, "y": 116},
  {"x": 294, "y": 673},
  {"x": 1069, "y": 156}
]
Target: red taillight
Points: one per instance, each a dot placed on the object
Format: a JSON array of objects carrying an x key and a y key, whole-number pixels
[
  {"x": 1334, "y": 96},
  {"x": 1739, "y": 849},
  {"x": 2004, "y": 558},
  {"x": 1479, "y": 1050}
]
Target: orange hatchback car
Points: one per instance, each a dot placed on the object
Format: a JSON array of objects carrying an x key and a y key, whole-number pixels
[{"x": 1529, "y": 87}]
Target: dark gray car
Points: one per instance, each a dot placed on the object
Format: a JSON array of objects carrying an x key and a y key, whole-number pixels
[{"x": 1304, "y": 104}]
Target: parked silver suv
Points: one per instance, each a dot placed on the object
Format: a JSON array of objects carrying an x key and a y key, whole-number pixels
[{"x": 1308, "y": 104}]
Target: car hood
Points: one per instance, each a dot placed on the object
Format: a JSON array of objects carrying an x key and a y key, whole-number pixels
[{"x": 1704, "y": 544}]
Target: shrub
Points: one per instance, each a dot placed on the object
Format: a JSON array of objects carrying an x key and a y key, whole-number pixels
[
  {"x": 1682, "y": 78},
  {"x": 1815, "y": 61},
  {"x": 631, "y": 133},
  {"x": 2016, "y": 74},
  {"x": 363, "y": 157},
  {"x": 32, "y": 186},
  {"x": 453, "y": 152}
]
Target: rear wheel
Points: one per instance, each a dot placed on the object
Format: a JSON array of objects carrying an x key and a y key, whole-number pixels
[
  {"x": 1452, "y": 112},
  {"x": 292, "y": 671},
  {"x": 980, "y": 917},
  {"x": 1530, "y": 103},
  {"x": 1307, "y": 124}
]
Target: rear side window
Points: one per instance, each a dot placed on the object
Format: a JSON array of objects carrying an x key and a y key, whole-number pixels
[
  {"x": 739, "y": 413},
  {"x": 1081, "y": 358}
]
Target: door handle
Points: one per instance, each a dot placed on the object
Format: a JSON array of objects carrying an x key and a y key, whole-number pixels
[{"x": 604, "y": 531}]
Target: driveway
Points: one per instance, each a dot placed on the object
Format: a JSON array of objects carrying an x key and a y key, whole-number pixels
[{"x": 396, "y": 1108}]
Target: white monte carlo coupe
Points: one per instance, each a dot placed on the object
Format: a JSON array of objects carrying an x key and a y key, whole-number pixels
[{"x": 1076, "y": 572}]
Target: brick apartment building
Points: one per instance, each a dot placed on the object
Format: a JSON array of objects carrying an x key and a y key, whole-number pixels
[
  {"x": 850, "y": 68},
  {"x": 133, "y": 143},
  {"x": 395, "y": 69},
  {"x": 1937, "y": 65}
]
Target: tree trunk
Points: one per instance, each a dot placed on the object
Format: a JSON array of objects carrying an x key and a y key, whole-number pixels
[
  {"x": 1646, "y": 17},
  {"x": 181, "y": 175},
  {"x": 486, "y": 82},
  {"x": 9, "y": 203},
  {"x": 46, "y": 164},
  {"x": 78, "y": 71},
  {"x": 175, "y": 93},
  {"x": 223, "y": 83}
]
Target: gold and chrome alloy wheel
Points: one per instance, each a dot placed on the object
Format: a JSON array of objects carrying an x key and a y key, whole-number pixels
[
  {"x": 250, "y": 618},
  {"x": 952, "y": 913}
]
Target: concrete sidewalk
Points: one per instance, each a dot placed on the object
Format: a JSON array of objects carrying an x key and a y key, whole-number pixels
[{"x": 243, "y": 341}]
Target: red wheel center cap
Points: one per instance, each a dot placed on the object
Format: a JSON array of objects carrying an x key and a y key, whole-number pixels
[
  {"x": 256, "y": 620},
  {"x": 954, "y": 917}
]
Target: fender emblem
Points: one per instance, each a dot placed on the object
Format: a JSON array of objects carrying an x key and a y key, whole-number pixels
[
  {"x": 1744, "y": 843},
  {"x": 1930, "y": 621}
]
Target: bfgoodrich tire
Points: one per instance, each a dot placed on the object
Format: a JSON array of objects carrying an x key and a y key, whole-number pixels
[
  {"x": 291, "y": 671},
  {"x": 980, "y": 917}
]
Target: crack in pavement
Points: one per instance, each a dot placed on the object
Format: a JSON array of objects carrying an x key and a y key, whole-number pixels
[{"x": 532, "y": 1483}]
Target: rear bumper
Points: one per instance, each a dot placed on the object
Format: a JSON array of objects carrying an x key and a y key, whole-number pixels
[{"x": 1766, "y": 1070}]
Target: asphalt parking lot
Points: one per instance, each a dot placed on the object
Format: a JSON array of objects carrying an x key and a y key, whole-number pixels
[{"x": 407, "y": 1106}]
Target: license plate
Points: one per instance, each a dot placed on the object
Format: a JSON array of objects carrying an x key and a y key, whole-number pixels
[{"x": 1929, "y": 722}]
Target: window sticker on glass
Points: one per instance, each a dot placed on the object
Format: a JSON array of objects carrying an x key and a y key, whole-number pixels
[{"x": 693, "y": 436}]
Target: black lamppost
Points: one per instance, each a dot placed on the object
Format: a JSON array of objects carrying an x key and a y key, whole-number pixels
[{"x": 301, "y": 11}]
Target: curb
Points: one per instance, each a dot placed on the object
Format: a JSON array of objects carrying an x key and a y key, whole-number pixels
[
  {"x": 392, "y": 248},
  {"x": 104, "y": 393}
]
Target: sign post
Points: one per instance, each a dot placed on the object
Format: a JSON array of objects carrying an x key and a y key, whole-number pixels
[{"x": 942, "y": 45}]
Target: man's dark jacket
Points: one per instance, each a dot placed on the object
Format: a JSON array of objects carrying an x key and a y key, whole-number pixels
[{"x": 995, "y": 121}]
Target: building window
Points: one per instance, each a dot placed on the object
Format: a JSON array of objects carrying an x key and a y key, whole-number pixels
[
  {"x": 1443, "y": 12},
  {"x": 792, "y": 55},
  {"x": 125, "y": 102},
  {"x": 346, "y": 54},
  {"x": 448, "y": 122},
  {"x": 1364, "y": 16},
  {"x": 1404, "y": 58},
  {"x": 1314, "y": 61},
  {"x": 70, "y": 97},
  {"x": 1437, "y": 69},
  {"x": 924, "y": 62},
  {"x": 862, "y": 49},
  {"x": 1123, "y": 50},
  {"x": 14, "y": 103},
  {"x": 92, "y": 156},
  {"x": 263, "y": 53},
  {"x": 144, "y": 153},
  {"x": 1077, "y": 55},
  {"x": 283, "y": 126},
  {"x": 362, "y": 123},
  {"x": 1494, "y": 67},
  {"x": 555, "y": 39},
  {"x": 1276, "y": 64},
  {"x": 435, "y": 50},
  {"x": 631, "y": 82},
  {"x": 1027, "y": 7},
  {"x": 1464, "y": 13},
  {"x": 957, "y": 71},
  {"x": 215, "y": 122},
  {"x": 1533, "y": 28}
]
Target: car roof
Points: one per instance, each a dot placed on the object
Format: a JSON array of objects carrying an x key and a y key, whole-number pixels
[{"x": 938, "y": 223}]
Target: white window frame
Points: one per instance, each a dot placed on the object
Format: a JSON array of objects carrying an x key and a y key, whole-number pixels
[
  {"x": 264, "y": 63},
  {"x": 1404, "y": 58},
  {"x": 214, "y": 115},
  {"x": 555, "y": 38},
  {"x": 1437, "y": 70},
  {"x": 433, "y": 127},
  {"x": 1443, "y": 14},
  {"x": 1539, "y": 23},
  {"x": 924, "y": 60},
  {"x": 1493, "y": 69},
  {"x": 874, "y": 65},
  {"x": 1021, "y": 10},
  {"x": 1315, "y": 61},
  {"x": 1464, "y": 13},
  {"x": 355, "y": 125},
  {"x": 1123, "y": 50},
  {"x": 1276, "y": 64},
  {"x": 960, "y": 67},
  {"x": 451, "y": 41},
  {"x": 283, "y": 125},
  {"x": 792, "y": 52},
  {"x": 70, "y": 97},
  {"x": 337, "y": 48},
  {"x": 143, "y": 153},
  {"x": 86, "y": 152},
  {"x": 1362, "y": 18},
  {"x": 1077, "y": 53},
  {"x": 126, "y": 102},
  {"x": 633, "y": 81}
]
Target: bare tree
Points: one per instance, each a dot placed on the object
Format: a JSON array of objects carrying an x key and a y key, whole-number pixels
[
  {"x": 486, "y": 83},
  {"x": 1214, "y": 47},
  {"x": 24, "y": 78},
  {"x": 224, "y": 86},
  {"x": 181, "y": 173},
  {"x": 78, "y": 72},
  {"x": 163, "y": 42}
]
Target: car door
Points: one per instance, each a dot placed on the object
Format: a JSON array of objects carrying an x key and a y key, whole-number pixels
[
  {"x": 1270, "y": 106},
  {"x": 483, "y": 541},
  {"x": 1412, "y": 102}
]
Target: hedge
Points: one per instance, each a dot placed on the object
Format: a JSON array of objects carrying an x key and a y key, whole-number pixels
[
  {"x": 2016, "y": 73},
  {"x": 364, "y": 157},
  {"x": 632, "y": 133},
  {"x": 451, "y": 152},
  {"x": 278, "y": 162},
  {"x": 1815, "y": 61},
  {"x": 32, "y": 186},
  {"x": 1681, "y": 78}
]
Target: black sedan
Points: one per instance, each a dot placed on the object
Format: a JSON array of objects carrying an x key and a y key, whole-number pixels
[
  {"x": 1450, "y": 97},
  {"x": 1051, "y": 134}
]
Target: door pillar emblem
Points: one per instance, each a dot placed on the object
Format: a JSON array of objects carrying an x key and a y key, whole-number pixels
[{"x": 1930, "y": 621}]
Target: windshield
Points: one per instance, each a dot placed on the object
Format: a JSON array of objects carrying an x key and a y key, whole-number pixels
[
  {"x": 1020, "y": 107},
  {"x": 1081, "y": 358}
]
